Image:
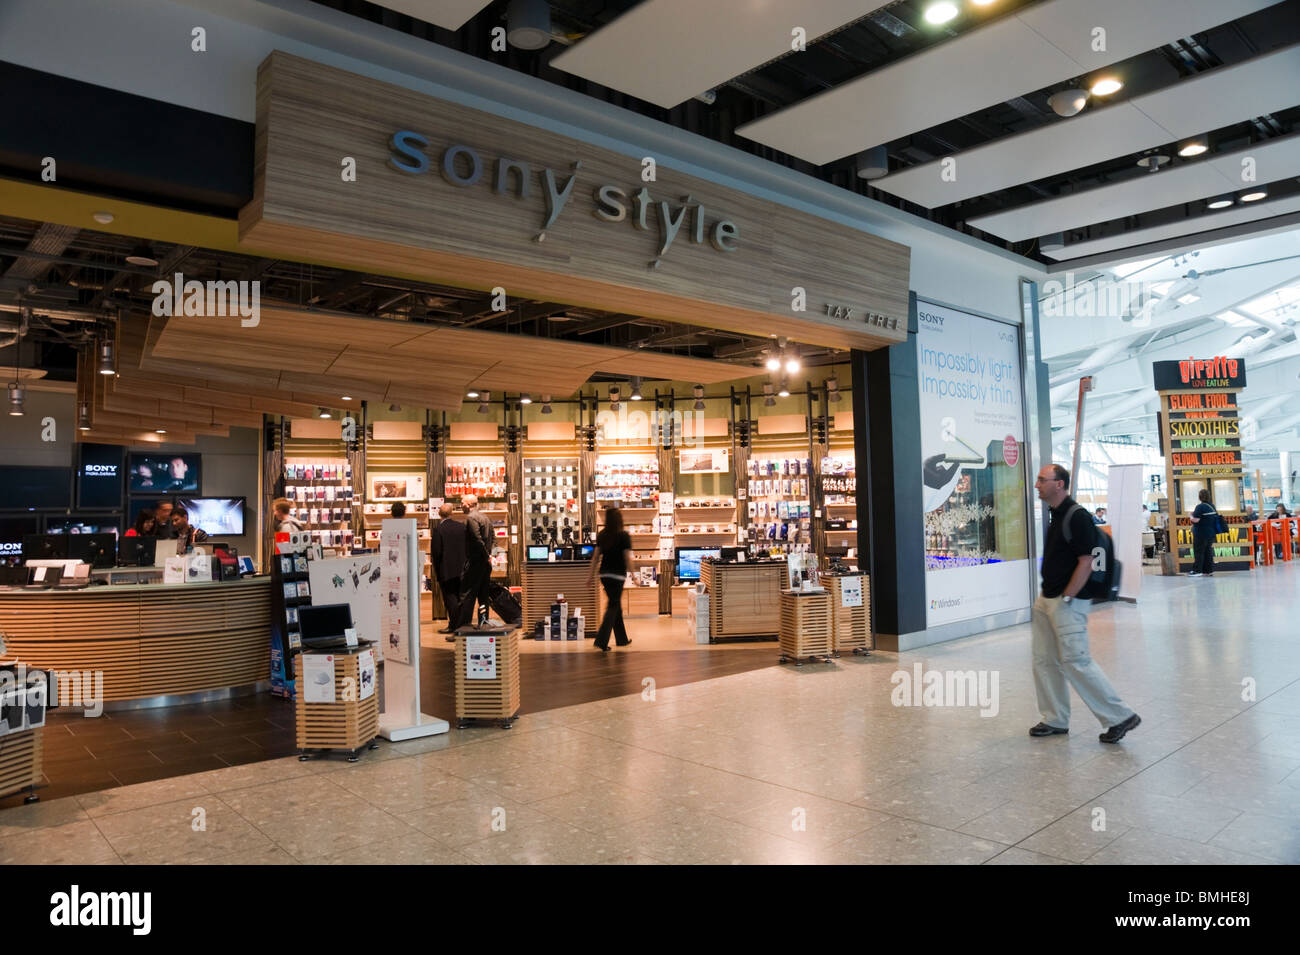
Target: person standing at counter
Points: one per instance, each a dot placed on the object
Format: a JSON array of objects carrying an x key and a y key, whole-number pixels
[
  {"x": 1205, "y": 521},
  {"x": 447, "y": 553},
  {"x": 145, "y": 525},
  {"x": 478, "y": 574},
  {"x": 162, "y": 512},
  {"x": 186, "y": 536},
  {"x": 613, "y": 558}
]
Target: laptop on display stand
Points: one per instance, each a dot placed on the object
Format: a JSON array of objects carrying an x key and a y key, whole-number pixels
[{"x": 324, "y": 626}]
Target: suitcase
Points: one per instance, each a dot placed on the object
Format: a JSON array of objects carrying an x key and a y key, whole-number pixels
[{"x": 506, "y": 605}]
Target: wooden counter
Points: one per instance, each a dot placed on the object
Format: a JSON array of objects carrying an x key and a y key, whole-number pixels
[
  {"x": 744, "y": 598},
  {"x": 149, "y": 640},
  {"x": 542, "y": 580}
]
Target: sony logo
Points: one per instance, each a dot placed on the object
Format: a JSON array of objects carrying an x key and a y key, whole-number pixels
[
  {"x": 930, "y": 318},
  {"x": 102, "y": 470}
]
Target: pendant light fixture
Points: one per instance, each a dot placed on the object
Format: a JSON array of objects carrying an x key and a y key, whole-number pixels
[
  {"x": 769, "y": 400},
  {"x": 546, "y": 404},
  {"x": 17, "y": 393},
  {"x": 832, "y": 389},
  {"x": 613, "y": 397},
  {"x": 83, "y": 417},
  {"x": 785, "y": 389},
  {"x": 484, "y": 398},
  {"x": 698, "y": 391},
  {"x": 324, "y": 413},
  {"x": 142, "y": 254},
  {"x": 107, "y": 360},
  {"x": 525, "y": 399},
  {"x": 636, "y": 388}
]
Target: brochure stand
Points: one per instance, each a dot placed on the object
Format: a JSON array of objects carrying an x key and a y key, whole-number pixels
[{"x": 399, "y": 619}]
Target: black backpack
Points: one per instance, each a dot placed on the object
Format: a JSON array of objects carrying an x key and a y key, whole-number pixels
[{"x": 1102, "y": 585}]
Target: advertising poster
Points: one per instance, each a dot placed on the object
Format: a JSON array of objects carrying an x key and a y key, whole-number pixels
[
  {"x": 480, "y": 658},
  {"x": 357, "y": 582},
  {"x": 393, "y": 608},
  {"x": 318, "y": 677},
  {"x": 851, "y": 592},
  {"x": 973, "y": 465},
  {"x": 366, "y": 672}
]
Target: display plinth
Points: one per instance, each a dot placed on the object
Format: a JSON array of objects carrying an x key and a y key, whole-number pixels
[
  {"x": 850, "y": 626},
  {"x": 20, "y": 762},
  {"x": 487, "y": 697},
  {"x": 542, "y": 580},
  {"x": 349, "y": 723},
  {"x": 744, "y": 598},
  {"x": 805, "y": 625}
]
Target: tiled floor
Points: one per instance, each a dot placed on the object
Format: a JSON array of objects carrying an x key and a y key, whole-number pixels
[{"x": 784, "y": 765}]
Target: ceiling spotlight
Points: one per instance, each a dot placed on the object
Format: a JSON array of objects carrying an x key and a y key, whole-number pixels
[
  {"x": 613, "y": 397},
  {"x": 103, "y": 218},
  {"x": 107, "y": 363},
  {"x": 528, "y": 24},
  {"x": 142, "y": 254},
  {"x": 1219, "y": 202},
  {"x": 17, "y": 394},
  {"x": 1153, "y": 162},
  {"x": 1105, "y": 86},
  {"x": 698, "y": 392},
  {"x": 832, "y": 389},
  {"x": 982, "y": 3},
  {"x": 785, "y": 389},
  {"x": 792, "y": 363},
  {"x": 525, "y": 399},
  {"x": 546, "y": 404},
  {"x": 394, "y": 407},
  {"x": 1254, "y": 195},
  {"x": 472, "y": 393},
  {"x": 873, "y": 163},
  {"x": 83, "y": 417},
  {"x": 346, "y": 397},
  {"x": 636, "y": 388},
  {"x": 484, "y": 398},
  {"x": 1052, "y": 243},
  {"x": 1193, "y": 147},
  {"x": 773, "y": 362},
  {"x": 942, "y": 12},
  {"x": 768, "y": 399},
  {"x": 324, "y": 413},
  {"x": 159, "y": 430},
  {"x": 1068, "y": 102}
]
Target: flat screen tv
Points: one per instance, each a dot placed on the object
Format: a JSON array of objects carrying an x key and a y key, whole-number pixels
[
  {"x": 36, "y": 488},
  {"x": 12, "y": 532},
  {"x": 217, "y": 515},
  {"x": 99, "y": 477},
  {"x": 159, "y": 473},
  {"x": 688, "y": 560}
]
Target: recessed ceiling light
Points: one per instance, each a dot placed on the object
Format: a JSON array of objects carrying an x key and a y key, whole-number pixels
[
  {"x": 324, "y": 413},
  {"x": 346, "y": 397},
  {"x": 1068, "y": 102},
  {"x": 1105, "y": 86},
  {"x": 525, "y": 399},
  {"x": 103, "y": 218},
  {"x": 1255, "y": 196},
  {"x": 941, "y": 12},
  {"x": 1220, "y": 202},
  {"x": 982, "y": 3},
  {"x": 1193, "y": 147},
  {"x": 472, "y": 393},
  {"x": 159, "y": 430},
  {"x": 142, "y": 254}
]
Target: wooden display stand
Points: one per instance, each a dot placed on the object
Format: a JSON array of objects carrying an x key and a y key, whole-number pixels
[
  {"x": 542, "y": 580},
  {"x": 348, "y": 723},
  {"x": 850, "y": 626},
  {"x": 743, "y": 598},
  {"x": 20, "y": 763},
  {"x": 496, "y": 699},
  {"x": 805, "y": 625}
]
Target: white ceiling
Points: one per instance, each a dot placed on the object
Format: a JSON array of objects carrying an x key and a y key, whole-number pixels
[
  {"x": 448, "y": 14},
  {"x": 1045, "y": 44},
  {"x": 1275, "y": 159},
  {"x": 1205, "y": 102},
  {"x": 666, "y": 51}
]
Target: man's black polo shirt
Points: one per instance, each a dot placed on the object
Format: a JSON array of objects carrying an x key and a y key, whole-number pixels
[{"x": 1060, "y": 556}]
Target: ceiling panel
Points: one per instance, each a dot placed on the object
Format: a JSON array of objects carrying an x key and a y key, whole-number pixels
[
  {"x": 1205, "y": 102},
  {"x": 1248, "y": 212},
  {"x": 1043, "y": 45},
  {"x": 1276, "y": 159},
  {"x": 448, "y": 14},
  {"x": 666, "y": 51}
]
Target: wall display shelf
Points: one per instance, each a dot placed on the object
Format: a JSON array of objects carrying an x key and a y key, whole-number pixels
[
  {"x": 628, "y": 480},
  {"x": 551, "y": 496},
  {"x": 780, "y": 511},
  {"x": 839, "y": 496},
  {"x": 483, "y": 477}
]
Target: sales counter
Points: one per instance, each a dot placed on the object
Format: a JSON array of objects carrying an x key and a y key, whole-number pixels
[
  {"x": 744, "y": 597},
  {"x": 542, "y": 580},
  {"x": 155, "y": 644}
]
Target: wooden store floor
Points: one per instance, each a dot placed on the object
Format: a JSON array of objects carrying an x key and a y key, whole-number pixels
[{"x": 119, "y": 749}]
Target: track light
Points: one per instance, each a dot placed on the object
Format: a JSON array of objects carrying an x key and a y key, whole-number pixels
[
  {"x": 324, "y": 413},
  {"x": 939, "y": 13},
  {"x": 1220, "y": 202},
  {"x": 472, "y": 393},
  {"x": 525, "y": 399},
  {"x": 1106, "y": 85},
  {"x": 484, "y": 398},
  {"x": 792, "y": 362},
  {"x": 1193, "y": 147},
  {"x": 1254, "y": 195},
  {"x": 613, "y": 397},
  {"x": 346, "y": 397},
  {"x": 142, "y": 254},
  {"x": 17, "y": 395},
  {"x": 832, "y": 389},
  {"x": 159, "y": 430},
  {"x": 83, "y": 417},
  {"x": 768, "y": 398},
  {"x": 872, "y": 163},
  {"x": 773, "y": 362},
  {"x": 546, "y": 404},
  {"x": 785, "y": 389},
  {"x": 528, "y": 24},
  {"x": 636, "y": 388},
  {"x": 107, "y": 361},
  {"x": 698, "y": 392},
  {"x": 394, "y": 407}
]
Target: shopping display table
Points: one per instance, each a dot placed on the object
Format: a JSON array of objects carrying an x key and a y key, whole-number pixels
[
  {"x": 744, "y": 598},
  {"x": 350, "y": 723},
  {"x": 487, "y": 675},
  {"x": 850, "y": 625},
  {"x": 805, "y": 625},
  {"x": 20, "y": 763},
  {"x": 542, "y": 580}
]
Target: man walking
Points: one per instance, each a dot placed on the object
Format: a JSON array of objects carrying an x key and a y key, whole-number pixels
[
  {"x": 1060, "y": 622},
  {"x": 478, "y": 575},
  {"x": 447, "y": 554}
]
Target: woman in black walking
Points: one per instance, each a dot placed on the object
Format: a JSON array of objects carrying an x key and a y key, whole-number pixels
[
  {"x": 1205, "y": 520},
  {"x": 613, "y": 558}
]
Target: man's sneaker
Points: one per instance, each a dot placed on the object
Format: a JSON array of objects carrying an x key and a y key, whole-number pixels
[
  {"x": 1193, "y": 573},
  {"x": 1116, "y": 732},
  {"x": 1042, "y": 729}
]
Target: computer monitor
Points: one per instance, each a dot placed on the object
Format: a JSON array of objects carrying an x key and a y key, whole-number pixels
[
  {"x": 731, "y": 553},
  {"x": 45, "y": 546},
  {"x": 97, "y": 550},
  {"x": 585, "y": 551},
  {"x": 136, "y": 551},
  {"x": 563, "y": 553},
  {"x": 689, "y": 558},
  {"x": 321, "y": 621},
  {"x": 539, "y": 552}
]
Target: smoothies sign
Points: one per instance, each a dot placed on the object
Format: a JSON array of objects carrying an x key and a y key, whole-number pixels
[{"x": 972, "y": 465}]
